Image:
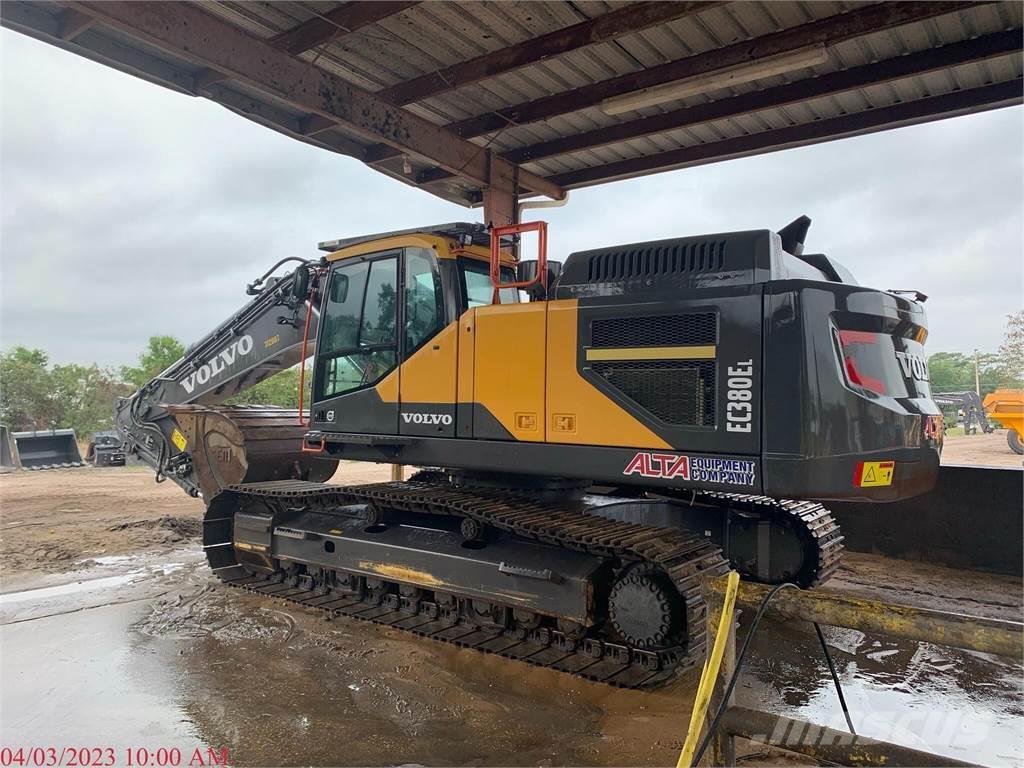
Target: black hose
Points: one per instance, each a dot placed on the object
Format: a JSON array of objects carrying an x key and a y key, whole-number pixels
[
  {"x": 741, "y": 657},
  {"x": 835, "y": 677},
  {"x": 255, "y": 286}
]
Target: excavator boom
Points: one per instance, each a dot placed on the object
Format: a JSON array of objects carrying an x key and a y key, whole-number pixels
[{"x": 165, "y": 422}]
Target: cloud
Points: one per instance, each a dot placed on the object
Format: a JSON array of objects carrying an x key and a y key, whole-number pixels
[{"x": 129, "y": 210}]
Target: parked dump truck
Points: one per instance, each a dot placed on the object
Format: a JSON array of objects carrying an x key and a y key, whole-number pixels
[
  {"x": 653, "y": 414},
  {"x": 1007, "y": 407}
]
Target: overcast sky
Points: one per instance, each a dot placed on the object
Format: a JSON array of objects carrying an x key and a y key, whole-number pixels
[{"x": 129, "y": 210}]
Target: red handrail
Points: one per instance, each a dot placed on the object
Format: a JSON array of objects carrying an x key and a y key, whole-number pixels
[
  {"x": 305, "y": 341},
  {"x": 541, "y": 228}
]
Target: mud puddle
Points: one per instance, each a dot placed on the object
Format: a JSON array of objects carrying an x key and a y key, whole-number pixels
[
  {"x": 962, "y": 704},
  {"x": 149, "y": 651}
]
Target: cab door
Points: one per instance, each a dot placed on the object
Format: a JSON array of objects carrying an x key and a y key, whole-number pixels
[
  {"x": 358, "y": 347},
  {"x": 429, "y": 350}
]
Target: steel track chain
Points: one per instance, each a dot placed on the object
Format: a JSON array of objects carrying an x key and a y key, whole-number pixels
[
  {"x": 684, "y": 557},
  {"x": 814, "y": 522}
]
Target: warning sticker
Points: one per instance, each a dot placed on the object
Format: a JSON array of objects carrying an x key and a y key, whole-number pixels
[
  {"x": 178, "y": 439},
  {"x": 871, "y": 474}
]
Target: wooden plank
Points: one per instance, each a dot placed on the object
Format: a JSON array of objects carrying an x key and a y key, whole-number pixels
[
  {"x": 187, "y": 31},
  {"x": 907, "y": 113},
  {"x": 337, "y": 23},
  {"x": 829, "y": 30},
  {"x": 608, "y": 26}
]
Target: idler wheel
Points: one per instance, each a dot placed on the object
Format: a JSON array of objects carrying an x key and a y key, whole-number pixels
[
  {"x": 471, "y": 530},
  {"x": 373, "y": 515},
  {"x": 644, "y": 609}
]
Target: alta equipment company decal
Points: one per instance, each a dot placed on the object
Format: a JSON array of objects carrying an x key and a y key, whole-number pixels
[{"x": 670, "y": 466}]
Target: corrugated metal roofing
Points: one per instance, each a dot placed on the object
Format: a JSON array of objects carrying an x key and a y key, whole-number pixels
[{"x": 430, "y": 36}]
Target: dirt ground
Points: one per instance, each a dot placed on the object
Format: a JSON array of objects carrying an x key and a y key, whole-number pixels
[
  {"x": 50, "y": 520},
  {"x": 980, "y": 450}
]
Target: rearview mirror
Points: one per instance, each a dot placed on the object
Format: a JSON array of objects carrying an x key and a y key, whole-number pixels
[
  {"x": 339, "y": 288},
  {"x": 300, "y": 283}
]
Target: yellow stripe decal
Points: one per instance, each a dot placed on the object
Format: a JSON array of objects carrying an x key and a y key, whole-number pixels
[{"x": 705, "y": 352}]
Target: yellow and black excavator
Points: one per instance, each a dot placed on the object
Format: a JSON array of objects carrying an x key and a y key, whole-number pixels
[{"x": 595, "y": 436}]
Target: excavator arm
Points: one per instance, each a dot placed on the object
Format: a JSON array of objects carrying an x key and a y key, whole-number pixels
[{"x": 177, "y": 423}]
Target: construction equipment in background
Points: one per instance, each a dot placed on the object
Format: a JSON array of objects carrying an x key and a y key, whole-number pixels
[
  {"x": 1007, "y": 407},
  {"x": 967, "y": 409},
  {"x": 9, "y": 459},
  {"x": 105, "y": 450},
  {"x": 645, "y": 419},
  {"x": 50, "y": 449}
]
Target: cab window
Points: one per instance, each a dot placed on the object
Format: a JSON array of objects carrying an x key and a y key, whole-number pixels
[
  {"x": 477, "y": 287},
  {"x": 358, "y": 346},
  {"x": 424, "y": 300}
]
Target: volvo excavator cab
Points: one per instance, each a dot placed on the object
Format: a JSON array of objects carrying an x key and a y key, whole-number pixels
[{"x": 597, "y": 438}]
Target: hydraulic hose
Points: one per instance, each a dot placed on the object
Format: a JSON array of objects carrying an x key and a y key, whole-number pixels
[
  {"x": 741, "y": 657},
  {"x": 710, "y": 674}
]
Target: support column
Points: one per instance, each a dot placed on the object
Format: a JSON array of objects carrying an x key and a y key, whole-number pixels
[{"x": 501, "y": 198}]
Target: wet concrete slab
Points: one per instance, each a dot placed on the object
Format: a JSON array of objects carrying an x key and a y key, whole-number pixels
[{"x": 168, "y": 657}]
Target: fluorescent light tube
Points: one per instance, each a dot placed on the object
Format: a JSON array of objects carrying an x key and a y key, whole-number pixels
[{"x": 725, "y": 78}]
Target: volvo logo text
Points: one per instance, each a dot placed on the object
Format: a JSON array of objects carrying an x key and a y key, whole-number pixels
[
  {"x": 217, "y": 364},
  {"x": 427, "y": 418}
]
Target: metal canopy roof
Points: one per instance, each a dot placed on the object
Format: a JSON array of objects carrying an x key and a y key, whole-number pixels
[{"x": 434, "y": 93}]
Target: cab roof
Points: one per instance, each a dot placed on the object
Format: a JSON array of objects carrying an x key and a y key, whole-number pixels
[{"x": 464, "y": 232}]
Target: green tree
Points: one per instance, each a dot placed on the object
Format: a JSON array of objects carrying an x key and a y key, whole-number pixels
[
  {"x": 954, "y": 372},
  {"x": 160, "y": 352},
  {"x": 1011, "y": 352},
  {"x": 281, "y": 389},
  {"x": 34, "y": 395},
  {"x": 25, "y": 389},
  {"x": 86, "y": 395},
  {"x": 951, "y": 372}
]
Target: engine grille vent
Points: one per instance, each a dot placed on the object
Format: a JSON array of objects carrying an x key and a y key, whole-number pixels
[
  {"x": 654, "y": 331},
  {"x": 679, "y": 392},
  {"x": 652, "y": 261}
]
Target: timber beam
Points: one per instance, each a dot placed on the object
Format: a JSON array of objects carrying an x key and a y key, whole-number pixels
[{"x": 188, "y": 32}]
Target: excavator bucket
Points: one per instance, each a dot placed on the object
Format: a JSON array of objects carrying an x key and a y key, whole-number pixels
[
  {"x": 53, "y": 449},
  {"x": 247, "y": 444},
  {"x": 9, "y": 459}
]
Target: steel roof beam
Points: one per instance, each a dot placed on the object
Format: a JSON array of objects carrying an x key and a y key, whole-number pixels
[
  {"x": 896, "y": 116},
  {"x": 599, "y": 29},
  {"x": 187, "y": 31},
  {"x": 73, "y": 23},
  {"x": 334, "y": 24},
  {"x": 885, "y": 71},
  {"x": 325, "y": 28},
  {"x": 829, "y": 30}
]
